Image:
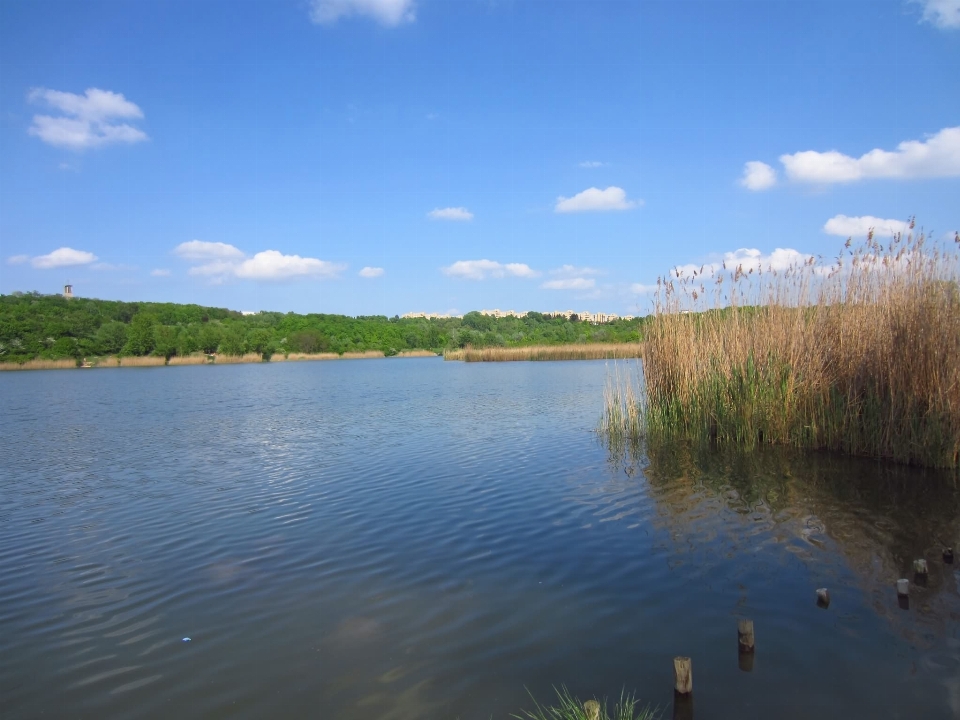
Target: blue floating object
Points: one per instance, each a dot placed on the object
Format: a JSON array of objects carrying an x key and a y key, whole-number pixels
[{"x": 186, "y": 639}]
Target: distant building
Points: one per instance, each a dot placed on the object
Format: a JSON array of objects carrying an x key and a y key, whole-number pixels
[
  {"x": 68, "y": 291},
  {"x": 429, "y": 316},
  {"x": 503, "y": 313}
]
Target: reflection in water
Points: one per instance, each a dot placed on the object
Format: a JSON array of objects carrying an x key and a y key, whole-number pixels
[{"x": 879, "y": 516}]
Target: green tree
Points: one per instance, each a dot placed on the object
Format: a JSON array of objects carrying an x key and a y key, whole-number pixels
[
  {"x": 110, "y": 338},
  {"x": 140, "y": 340}
]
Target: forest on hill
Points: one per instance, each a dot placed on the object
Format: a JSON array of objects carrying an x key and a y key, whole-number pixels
[{"x": 35, "y": 326}]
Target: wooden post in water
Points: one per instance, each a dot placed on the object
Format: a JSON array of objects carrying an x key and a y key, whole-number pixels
[
  {"x": 745, "y": 637},
  {"x": 591, "y": 708},
  {"x": 683, "y": 675},
  {"x": 823, "y": 597},
  {"x": 903, "y": 587},
  {"x": 920, "y": 567},
  {"x": 948, "y": 555}
]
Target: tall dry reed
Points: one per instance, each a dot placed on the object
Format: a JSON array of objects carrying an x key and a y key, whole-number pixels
[
  {"x": 592, "y": 351},
  {"x": 39, "y": 365},
  {"x": 189, "y": 360},
  {"x": 862, "y": 356},
  {"x": 145, "y": 361}
]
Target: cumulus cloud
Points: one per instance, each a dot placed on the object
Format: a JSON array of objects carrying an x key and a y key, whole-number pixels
[
  {"x": 221, "y": 260},
  {"x": 595, "y": 199},
  {"x": 86, "y": 121},
  {"x": 944, "y": 14},
  {"x": 386, "y": 12},
  {"x": 61, "y": 257},
  {"x": 202, "y": 250},
  {"x": 17, "y": 259},
  {"x": 370, "y": 272},
  {"x": 746, "y": 259},
  {"x": 641, "y": 289},
  {"x": 274, "y": 265},
  {"x": 483, "y": 269},
  {"x": 450, "y": 213},
  {"x": 591, "y": 164},
  {"x": 859, "y": 226},
  {"x": 937, "y": 156},
  {"x": 574, "y": 283},
  {"x": 160, "y": 272},
  {"x": 758, "y": 176}
]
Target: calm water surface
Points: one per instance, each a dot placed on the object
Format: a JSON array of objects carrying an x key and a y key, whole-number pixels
[{"x": 411, "y": 538}]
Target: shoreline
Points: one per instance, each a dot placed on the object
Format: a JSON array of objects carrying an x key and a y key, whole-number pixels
[{"x": 113, "y": 362}]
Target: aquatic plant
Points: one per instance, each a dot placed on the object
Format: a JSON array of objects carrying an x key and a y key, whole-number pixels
[
  {"x": 592, "y": 351},
  {"x": 859, "y": 356},
  {"x": 570, "y": 708}
]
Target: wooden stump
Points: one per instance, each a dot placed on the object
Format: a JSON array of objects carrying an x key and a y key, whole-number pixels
[
  {"x": 683, "y": 675},
  {"x": 745, "y": 635},
  {"x": 920, "y": 567},
  {"x": 903, "y": 587},
  {"x": 591, "y": 708},
  {"x": 823, "y": 597},
  {"x": 948, "y": 555}
]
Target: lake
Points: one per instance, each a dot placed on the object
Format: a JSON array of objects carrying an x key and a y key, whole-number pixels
[{"x": 412, "y": 538}]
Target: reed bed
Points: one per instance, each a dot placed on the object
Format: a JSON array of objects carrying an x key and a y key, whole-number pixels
[
  {"x": 860, "y": 356},
  {"x": 416, "y": 353},
  {"x": 592, "y": 351},
  {"x": 189, "y": 360},
  {"x": 367, "y": 355},
  {"x": 145, "y": 361},
  {"x": 40, "y": 365},
  {"x": 237, "y": 359}
]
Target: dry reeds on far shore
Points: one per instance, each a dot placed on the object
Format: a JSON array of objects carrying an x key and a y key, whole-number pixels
[
  {"x": 861, "y": 357},
  {"x": 189, "y": 360},
  {"x": 145, "y": 361},
  {"x": 39, "y": 365},
  {"x": 591, "y": 351}
]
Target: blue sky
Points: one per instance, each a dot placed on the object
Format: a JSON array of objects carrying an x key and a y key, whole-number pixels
[{"x": 388, "y": 156}]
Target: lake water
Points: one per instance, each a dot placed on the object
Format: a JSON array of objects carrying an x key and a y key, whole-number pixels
[{"x": 409, "y": 538}]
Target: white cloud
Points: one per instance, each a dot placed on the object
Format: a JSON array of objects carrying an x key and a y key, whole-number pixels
[
  {"x": 221, "y": 260},
  {"x": 87, "y": 120},
  {"x": 758, "y": 176},
  {"x": 595, "y": 199},
  {"x": 274, "y": 265},
  {"x": 386, "y": 12},
  {"x": 203, "y": 250},
  {"x": 937, "y": 156},
  {"x": 641, "y": 289},
  {"x": 573, "y": 271},
  {"x": 371, "y": 272},
  {"x": 944, "y": 14},
  {"x": 859, "y": 226},
  {"x": 747, "y": 259},
  {"x": 450, "y": 213},
  {"x": 160, "y": 272},
  {"x": 483, "y": 269},
  {"x": 63, "y": 257},
  {"x": 576, "y": 283},
  {"x": 592, "y": 164},
  {"x": 17, "y": 259}
]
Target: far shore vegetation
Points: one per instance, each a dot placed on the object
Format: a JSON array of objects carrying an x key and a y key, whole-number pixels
[
  {"x": 581, "y": 351},
  {"x": 50, "y": 331},
  {"x": 861, "y": 357}
]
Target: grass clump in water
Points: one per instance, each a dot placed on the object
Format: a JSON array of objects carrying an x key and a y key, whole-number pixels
[
  {"x": 570, "y": 708},
  {"x": 862, "y": 356}
]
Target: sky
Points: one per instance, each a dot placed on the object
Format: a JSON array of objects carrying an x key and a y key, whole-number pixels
[{"x": 391, "y": 156}]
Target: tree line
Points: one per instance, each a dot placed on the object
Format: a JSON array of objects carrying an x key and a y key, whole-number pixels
[{"x": 35, "y": 326}]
